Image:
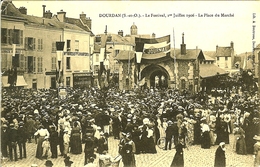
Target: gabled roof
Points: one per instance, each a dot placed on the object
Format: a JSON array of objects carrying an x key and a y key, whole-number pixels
[
  {"x": 191, "y": 54},
  {"x": 77, "y": 22},
  {"x": 115, "y": 38},
  {"x": 258, "y": 46},
  {"x": 208, "y": 58},
  {"x": 210, "y": 70},
  {"x": 9, "y": 9},
  {"x": 211, "y": 54},
  {"x": 125, "y": 55},
  {"x": 224, "y": 51}
]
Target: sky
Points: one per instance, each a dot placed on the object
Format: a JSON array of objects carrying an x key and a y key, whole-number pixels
[{"x": 200, "y": 21}]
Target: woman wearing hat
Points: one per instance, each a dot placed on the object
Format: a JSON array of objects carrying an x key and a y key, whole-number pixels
[
  {"x": 257, "y": 151},
  {"x": 41, "y": 133},
  {"x": 239, "y": 143}
]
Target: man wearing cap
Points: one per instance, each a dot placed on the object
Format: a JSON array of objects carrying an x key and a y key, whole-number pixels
[
  {"x": 22, "y": 138},
  {"x": 90, "y": 145},
  {"x": 48, "y": 163},
  {"x": 4, "y": 140},
  {"x": 170, "y": 132},
  {"x": 54, "y": 141},
  {"x": 13, "y": 135},
  {"x": 30, "y": 127},
  {"x": 128, "y": 151}
]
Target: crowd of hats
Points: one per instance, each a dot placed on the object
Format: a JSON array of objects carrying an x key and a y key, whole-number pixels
[
  {"x": 143, "y": 105},
  {"x": 45, "y": 104}
]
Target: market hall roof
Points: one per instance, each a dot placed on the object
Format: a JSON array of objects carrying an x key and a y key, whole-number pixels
[
  {"x": 191, "y": 54},
  {"x": 210, "y": 70}
]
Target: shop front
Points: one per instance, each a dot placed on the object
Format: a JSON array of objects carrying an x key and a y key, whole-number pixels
[{"x": 83, "y": 80}]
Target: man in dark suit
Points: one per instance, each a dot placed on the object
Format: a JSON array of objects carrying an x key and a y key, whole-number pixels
[
  {"x": 12, "y": 136},
  {"x": 22, "y": 138},
  {"x": 4, "y": 140}
]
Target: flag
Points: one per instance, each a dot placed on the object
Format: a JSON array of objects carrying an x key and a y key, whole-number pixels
[
  {"x": 153, "y": 47},
  {"x": 14, "y": 49}
]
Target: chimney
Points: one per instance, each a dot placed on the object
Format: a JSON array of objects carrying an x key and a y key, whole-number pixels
[
  {"x": 61, "y": 15},
  {"x": 109, "y": 38},
  {"x": 98, "y": 38},
  {"x": 216, "y": 48},
  {"x": 121, "y": 33},
  {"x": 43, "y": 10},
  {"x": 153, "y": 35},
  {"x": 83, "y": 17},
  {"x": 183, "y": 46},
  {"x": 48, "y": 14},
  {"x": 232, "y": 44},
  {"x": 89, "y": 22},
  {"x": 23, "y": 10}
]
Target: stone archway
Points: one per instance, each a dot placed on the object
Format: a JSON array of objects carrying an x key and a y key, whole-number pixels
[{"x": 156, "y": 76}]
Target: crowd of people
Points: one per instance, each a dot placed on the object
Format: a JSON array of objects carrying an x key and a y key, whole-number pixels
[{"x": 137, "y": 119}]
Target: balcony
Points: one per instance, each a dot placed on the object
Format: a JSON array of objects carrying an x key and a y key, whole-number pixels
[{"x": 76, "y": 54}]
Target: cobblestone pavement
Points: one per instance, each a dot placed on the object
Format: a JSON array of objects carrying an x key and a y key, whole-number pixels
[{"x": 193, "y": 157}]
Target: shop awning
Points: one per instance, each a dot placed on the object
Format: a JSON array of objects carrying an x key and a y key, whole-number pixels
[
  {"x": 210, "y": 70},
  {"x": 20, "y": 81}
]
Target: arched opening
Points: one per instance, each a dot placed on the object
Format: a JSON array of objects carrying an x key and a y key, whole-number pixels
[
  {"x": 159, "y": 79},
  {"x": 157, "y": 76}
]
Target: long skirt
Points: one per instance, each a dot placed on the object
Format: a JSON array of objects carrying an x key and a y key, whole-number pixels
[
  {"x": 205, "y": 140},
  {"x": 39, "y": 149},
  {"x": 76, "y": 147},
  {"x": 178, "y": 160}
]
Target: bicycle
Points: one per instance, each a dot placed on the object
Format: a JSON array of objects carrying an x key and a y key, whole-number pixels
[{"x": 161, "y": 142}]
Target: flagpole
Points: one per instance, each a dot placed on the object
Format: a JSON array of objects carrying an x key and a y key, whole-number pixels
[{"x": 174, "y": 54}]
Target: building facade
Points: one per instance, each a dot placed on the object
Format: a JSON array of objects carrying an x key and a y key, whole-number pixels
[
  {"x": 225, "y": 57},
  {"x": 29, "y": 43}
]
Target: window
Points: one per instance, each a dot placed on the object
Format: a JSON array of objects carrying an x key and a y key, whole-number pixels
[
  {"x": 4, "y": 35},
  {"x": 4, "y": 60},
  {"x": 39, "y": 64},
  {"x": 68, "y": 45},
  {"x": 30, "y": 64},
  {"x": 11, "y": 36},
  {"x": 40, "y": 44},
  {"x": 226, "y": 58},
  {"x": 76, "y": 45},
  {"x": 116, "y": 52},
  {"x": 16, "y": 36},
  {"x": 217, "y": 58},
  {"x": 29, "y": 43},
  {"x": 53, "y": 47},
  {"x": 67, "y": 81},
  {"x": 34, "y": 64},
  {"x": 53, "y": 63},
  {"x": 68, "y": 63},
  {"x": 22, "y": 62}
]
